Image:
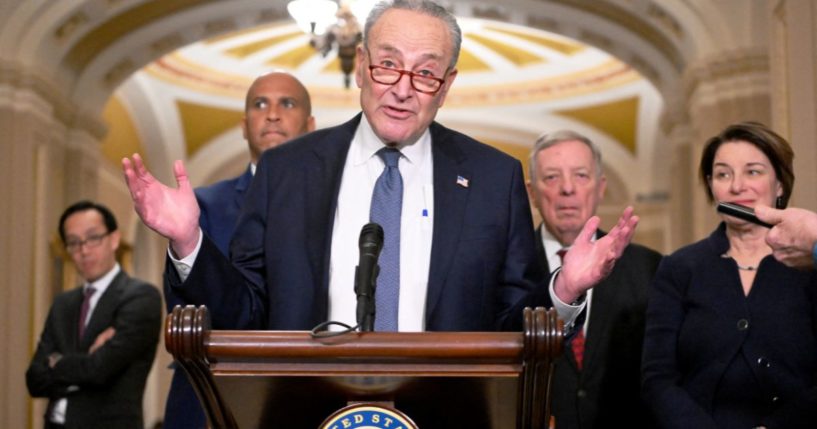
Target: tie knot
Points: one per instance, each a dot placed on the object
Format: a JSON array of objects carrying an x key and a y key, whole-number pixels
[
  {"x": 561, "y": 253},
  {"x": 89, "y": 291},
  {"x": 390, "y": 156}
]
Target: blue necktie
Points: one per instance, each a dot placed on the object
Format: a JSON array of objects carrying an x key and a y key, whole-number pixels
[{"x": 387, "y": 205}]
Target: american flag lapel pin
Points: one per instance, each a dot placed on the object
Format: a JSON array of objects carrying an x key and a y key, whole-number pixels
[{"x": 462, "y": 181}]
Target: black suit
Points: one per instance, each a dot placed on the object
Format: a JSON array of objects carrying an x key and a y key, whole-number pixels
[
  {"x": 607, "y": 390},
  {"x": 111, "y": 381},
  {"x": 482, "y": 270}
]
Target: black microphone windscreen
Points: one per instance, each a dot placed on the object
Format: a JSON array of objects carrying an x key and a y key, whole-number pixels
[{"x": 371, "y": 238}]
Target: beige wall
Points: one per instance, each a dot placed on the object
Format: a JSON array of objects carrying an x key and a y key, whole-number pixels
[{"x": 793, "y": 60}]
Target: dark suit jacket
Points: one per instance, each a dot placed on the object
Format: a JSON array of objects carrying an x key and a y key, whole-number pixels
[
  {"x": 220, "y": 205},
  {"x": 607, "y": 389},
  {"x": 717, "y": 358},
  {"x": 482, "y": 270},
  {"x": 111, "y": 380}
]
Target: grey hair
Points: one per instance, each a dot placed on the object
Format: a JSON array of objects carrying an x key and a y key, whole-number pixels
[
  {"x": 547, "y": 140},
  {"x": 426, "y": 7}
]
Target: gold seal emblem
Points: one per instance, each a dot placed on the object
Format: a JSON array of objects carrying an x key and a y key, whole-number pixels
[{"x": 368, "y": 416}]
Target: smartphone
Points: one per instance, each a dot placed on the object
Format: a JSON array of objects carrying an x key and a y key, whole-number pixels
[{"x": 741, "y": 212}]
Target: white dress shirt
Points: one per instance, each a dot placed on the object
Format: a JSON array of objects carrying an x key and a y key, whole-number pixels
[{"x": 360, "y": 173}]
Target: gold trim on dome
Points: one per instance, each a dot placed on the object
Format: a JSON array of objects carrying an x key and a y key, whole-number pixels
[
  {"x": 177, "y": 70},
  {"x": 516, "y": 55},
  {"x": 248, "y": 49},
  {"x": 468, "y": 62},
  {"x": 608, "y": 75},
  {"x": 294, "y": 57},
  {"x": 618, "y": 119},
  {"x": 242, "y": 32},
  {"x": 561, "y": 46},
  {"x": 332, "y": 66},
  {"x": 201, "y": 123}
]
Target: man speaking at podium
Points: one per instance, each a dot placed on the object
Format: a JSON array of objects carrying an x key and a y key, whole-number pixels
[{"x": 458, "y": 252}]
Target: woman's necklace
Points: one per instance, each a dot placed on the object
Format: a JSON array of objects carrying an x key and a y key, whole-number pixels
[{"x": 740, "y": 267}]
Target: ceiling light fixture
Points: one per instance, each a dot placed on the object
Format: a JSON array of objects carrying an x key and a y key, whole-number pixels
[{"x": 332, "y": 26}]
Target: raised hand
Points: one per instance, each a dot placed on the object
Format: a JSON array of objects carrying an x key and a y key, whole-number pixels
[
  {"x": 173, "y": 213},
  {"x": 588, "y": 262},
  {"x": 102, "y": 338},
  {"x": 793, "y": 236}
]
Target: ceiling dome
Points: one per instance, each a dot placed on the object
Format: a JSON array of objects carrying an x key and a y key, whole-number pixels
[{"x": 499, "y": 63}]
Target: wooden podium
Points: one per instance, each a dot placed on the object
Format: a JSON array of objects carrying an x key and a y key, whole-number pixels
[{"x": 288, "y": 379}]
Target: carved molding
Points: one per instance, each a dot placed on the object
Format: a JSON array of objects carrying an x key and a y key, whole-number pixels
[
  {"x": 745, "y": 71},
  {"x": 63, "y": 110}
]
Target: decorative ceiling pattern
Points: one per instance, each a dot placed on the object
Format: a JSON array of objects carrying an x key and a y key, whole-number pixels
[
  {"x": 500, "y": 63},
  {"x": 502, "y": 66}
]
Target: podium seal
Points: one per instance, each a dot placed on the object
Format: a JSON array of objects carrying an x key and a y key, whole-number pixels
[{"x": 368, "y": 416}]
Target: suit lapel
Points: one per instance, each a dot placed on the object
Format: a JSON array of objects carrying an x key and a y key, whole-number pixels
[
  {"x": 103, "y": 312},
  {"x": 450, "y": 199},
  {"x": 241, "y": 186},
  {"x": 322, "y": 179},
  {"x": 71, "y": 329},
  {"x": 541, "y": 255}
]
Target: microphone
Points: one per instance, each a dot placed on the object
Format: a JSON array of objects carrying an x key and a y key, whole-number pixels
[{"x": 371, "y": 243}]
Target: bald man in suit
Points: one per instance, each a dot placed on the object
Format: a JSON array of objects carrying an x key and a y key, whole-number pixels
[{"x": 277, "y": 108}]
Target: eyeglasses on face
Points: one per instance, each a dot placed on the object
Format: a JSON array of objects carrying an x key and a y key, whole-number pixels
[
  {"x": 421, "y": 83},
  {"x": 92, "y": 241}
]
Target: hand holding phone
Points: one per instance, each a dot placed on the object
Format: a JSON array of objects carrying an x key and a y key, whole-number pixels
[{"x": 741, "y": 212}]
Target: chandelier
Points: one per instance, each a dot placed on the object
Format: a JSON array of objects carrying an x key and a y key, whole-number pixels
[{"x": 333, "y": 26}]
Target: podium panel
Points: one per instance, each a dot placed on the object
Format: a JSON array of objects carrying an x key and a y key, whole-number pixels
[
  {"x": 305, "y": 402},
  {"x": 260, "y": 379}
]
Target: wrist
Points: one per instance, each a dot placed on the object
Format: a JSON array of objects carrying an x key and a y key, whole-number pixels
[
  {"x": 564, "y": 293},
  {"x": 184, "y": 247},
  {"x": 53, "y": 358}
]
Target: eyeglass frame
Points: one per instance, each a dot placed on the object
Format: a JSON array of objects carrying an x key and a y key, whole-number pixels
[
  {"x": 410, "y": 74},
  {"x": 92, "y": 242}
]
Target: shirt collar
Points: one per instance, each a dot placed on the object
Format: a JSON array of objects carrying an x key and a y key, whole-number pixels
[
  {"x": 552, "y": 245},
  {"x": 102, "y": 283},
  {"x": 368, "y": 144}
]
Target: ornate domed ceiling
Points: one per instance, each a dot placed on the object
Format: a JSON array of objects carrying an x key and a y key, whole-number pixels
[
  {"x": 499, "y": 63},
  {"x": 514, "y": 82}
]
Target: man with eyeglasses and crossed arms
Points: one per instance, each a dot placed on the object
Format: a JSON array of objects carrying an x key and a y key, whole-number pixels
[
  {"x": 458, "y": 253},
  {"x": 98, "y": 344}
]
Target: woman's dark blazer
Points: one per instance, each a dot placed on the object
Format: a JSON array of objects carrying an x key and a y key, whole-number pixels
[{"x": 717, "y": 358}]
